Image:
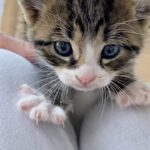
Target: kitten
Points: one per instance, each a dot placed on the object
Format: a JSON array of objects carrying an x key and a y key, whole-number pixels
[{"x": 88, "y": 45}]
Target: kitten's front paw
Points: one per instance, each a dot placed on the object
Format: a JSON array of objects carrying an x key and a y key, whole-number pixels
[
  {"x": 58, "y": 115},
  {"x": 41, "y": 112},
  {"x": 45, "y": 112},
  {"x": 26, "y": 103},
  {"x": 134, "y": 94},
  {"x": 36, "y": 106}
]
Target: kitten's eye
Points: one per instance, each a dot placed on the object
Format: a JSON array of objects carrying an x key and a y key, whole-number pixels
[
  {"x": 110, "y": 51},
  {"x": 63, "y": 48}
]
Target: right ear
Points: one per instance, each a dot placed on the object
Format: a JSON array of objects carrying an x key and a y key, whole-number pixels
[
  {"x": 143, "y": 9},
  {"x": 31, "y": 9}
]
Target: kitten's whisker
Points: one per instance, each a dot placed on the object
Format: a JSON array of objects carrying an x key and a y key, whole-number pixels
[
  {"x": 128, "y": 21},
  {"x": 132, "y": 32},
  {"x": 103, "y": 101},
  {"x": 63, "y": 93},
  {"x": 57, "y": 92},
  {"x": 128, "y": 77},
  {"x": 127, "y": 87},
  {"x": 47, "y": 84},
  {"x": 123, "y": 29},
  {"x": 110, "y": 96},
  {"x": 115, "y": 90},
  {"x": 100, "y": 97},
  {"x": 120, "y": 90},
  {"x": 39, "y": 81},
  {"x": 123, "y": 91},
  {"x": 52, "y": 89}
]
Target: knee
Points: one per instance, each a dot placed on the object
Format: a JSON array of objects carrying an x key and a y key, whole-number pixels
[
  {"x": 14, "y": 69},
  {"x": 11, "y": 61},
  {"x": 116, "y": 128}
]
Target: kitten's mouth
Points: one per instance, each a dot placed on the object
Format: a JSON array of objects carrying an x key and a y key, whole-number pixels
[
  {"x": 85, "y": 83},
  {"x": 85, "y": 87}
]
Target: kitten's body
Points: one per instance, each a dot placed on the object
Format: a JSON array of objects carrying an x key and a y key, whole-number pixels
[{"x": 90, "y": 45}]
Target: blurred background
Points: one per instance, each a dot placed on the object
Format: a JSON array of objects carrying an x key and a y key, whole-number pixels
[
  {"x": 1, "y": 7},
  {"x": 10, "y": 23},
  {"x": 8, "y": 16}
]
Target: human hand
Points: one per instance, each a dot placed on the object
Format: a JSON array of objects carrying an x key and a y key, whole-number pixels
[{"x": 22, "y": 48}]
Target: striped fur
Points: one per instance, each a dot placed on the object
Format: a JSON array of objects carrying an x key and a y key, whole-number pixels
[{"x": 120, "y": 22}]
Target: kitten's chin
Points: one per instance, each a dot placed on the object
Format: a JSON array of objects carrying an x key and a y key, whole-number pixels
[{"x": 84, "y": 89}]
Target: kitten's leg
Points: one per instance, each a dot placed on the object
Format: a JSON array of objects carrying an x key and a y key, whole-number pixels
[
  {"x": 135, "y": 94},
  {"x": 39, "y": 108}
]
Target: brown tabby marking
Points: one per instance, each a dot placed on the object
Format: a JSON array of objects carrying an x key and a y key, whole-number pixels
[{"x": 120, "y": 22}]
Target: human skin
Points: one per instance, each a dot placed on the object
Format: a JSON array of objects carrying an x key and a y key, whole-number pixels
[{"x": 20, "y": 47}]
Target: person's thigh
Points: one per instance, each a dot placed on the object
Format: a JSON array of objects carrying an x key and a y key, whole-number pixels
[
  {"x": 116, "y": 129},
  {"x": 17, "y": 132}
]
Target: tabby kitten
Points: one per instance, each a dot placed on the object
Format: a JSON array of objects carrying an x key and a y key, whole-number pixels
[{"x": 88, "y": 45}]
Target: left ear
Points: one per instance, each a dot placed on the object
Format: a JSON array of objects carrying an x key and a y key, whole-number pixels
[
  {"x": 143, "y": 9},
  {"x": 32, "y": 9}
]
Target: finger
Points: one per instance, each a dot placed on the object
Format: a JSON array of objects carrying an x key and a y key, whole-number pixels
[{"x": 22, "y": 48}]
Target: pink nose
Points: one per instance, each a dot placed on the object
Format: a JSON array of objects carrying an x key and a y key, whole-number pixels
[{"x": 85, "y": 79}]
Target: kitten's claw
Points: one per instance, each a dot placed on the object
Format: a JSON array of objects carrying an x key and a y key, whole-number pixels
[
  {"x": 135, "y": 94},
  {"x": 58, "y": 115},
  {"x": 41, "y": 113},
  {"x": 38, "y": 108},
  {"x": 45, "y": 112},
  {"x": 37, "y": 116}
]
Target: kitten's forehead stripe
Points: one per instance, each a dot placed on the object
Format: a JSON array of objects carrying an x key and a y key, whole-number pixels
[
  {"x": 93, "y": 14},
  {"x": 108, "y": 8},
  {"x": 77, "y": 21},
  {"x": 90, "y": 16},
  {"x": 98, "y": 24},
  {"x": 71, "y": 15},
  {"x": 81, "y": 25}
]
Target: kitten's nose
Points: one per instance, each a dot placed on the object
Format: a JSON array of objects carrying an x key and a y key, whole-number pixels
[{"x": 84, "y": 80}]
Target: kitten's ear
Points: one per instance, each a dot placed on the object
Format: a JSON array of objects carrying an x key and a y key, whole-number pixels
[
  {"x": 32, "y": 9},
  {"x": 143, "y": 9}
]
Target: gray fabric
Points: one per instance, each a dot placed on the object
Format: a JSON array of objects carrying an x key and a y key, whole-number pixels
[
  {"x": 17, "y": 132},
  {"x": 116, "y": 129}
]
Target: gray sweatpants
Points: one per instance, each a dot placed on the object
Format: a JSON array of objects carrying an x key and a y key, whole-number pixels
[{"x": 113, "y": 129}]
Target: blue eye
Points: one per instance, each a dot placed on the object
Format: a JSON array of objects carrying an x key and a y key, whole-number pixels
[
  {"x": 63, "y": 48},
  {"x": 110, "y": 51}
]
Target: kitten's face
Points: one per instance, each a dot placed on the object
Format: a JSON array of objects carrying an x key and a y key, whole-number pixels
[{"x": 90, "y": 43}]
